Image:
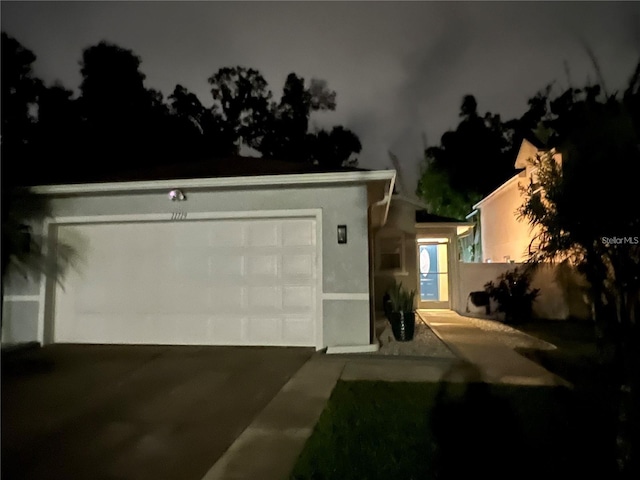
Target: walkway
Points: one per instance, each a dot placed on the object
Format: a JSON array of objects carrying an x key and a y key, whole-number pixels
[
  {"x": 486, "y": 350},
  {"x": 269, "y": 447}
]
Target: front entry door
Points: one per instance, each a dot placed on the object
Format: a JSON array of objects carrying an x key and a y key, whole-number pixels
[{"x": 433, "y": 275}]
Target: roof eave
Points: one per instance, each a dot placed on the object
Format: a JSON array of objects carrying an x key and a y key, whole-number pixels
[{"x": 217, "y": 182}]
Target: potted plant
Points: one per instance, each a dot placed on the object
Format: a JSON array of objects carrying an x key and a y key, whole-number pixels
[
  {"x": 401, "y": 312},
  {"x": 514, "y": 294}
]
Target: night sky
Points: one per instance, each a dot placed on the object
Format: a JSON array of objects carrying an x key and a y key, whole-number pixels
[{"x": 400, "y": 69}]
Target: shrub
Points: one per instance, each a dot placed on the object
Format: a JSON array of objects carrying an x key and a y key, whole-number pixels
[{"x": 513, "y": 293}]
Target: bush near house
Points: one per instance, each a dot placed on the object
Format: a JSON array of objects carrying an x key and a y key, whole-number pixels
[{"x": 514, "y": 295}]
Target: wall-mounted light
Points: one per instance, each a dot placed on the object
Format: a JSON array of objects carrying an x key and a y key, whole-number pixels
[
  {"x": 342, "y": 234},
  {"x": 176, "y": 195}
]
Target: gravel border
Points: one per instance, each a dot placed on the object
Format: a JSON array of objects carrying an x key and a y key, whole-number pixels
[
  {"x": 510, "y": 336},
  {"x": 425, "y": 343}
]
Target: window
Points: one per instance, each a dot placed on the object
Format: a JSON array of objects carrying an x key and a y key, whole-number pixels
[{"x": 391, "y": 254}]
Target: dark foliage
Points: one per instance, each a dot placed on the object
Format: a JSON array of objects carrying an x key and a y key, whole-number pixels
[{"x": 513, "y": 293}]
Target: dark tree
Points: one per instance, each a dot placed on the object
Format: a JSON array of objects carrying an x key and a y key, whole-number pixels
[
  {"x": 20, "y": 90},
  {"x": 288, "y": 134},
  {"x": 124, "y": 122},
  {"x": 335, "y": 148},
  {"x": 198, "y": 131},
  {"x": 472, "y": 161},
  {"x": 56, "y": 138},
  {"x": 242, "y": 97},
  {"x": 586, "y": 211}
]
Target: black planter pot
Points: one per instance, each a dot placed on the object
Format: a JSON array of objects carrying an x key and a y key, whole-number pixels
[{"x": 403, "y": 325}]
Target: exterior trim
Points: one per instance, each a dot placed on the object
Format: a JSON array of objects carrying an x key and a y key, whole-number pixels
[
  {"x": 345, "y": 296},
  {"x": 47, "y": 293},
  {"x": 497, "y": 190},
  {"x": 21, "y": 298},
  {"x": 223, "y": 182},
  {"x": 443, "y": 224},
  {"x": 373, "y": 347}
]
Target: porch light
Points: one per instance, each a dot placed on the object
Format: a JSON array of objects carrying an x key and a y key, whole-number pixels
[
  {"x": 342, "y": 234},
  {"x": 176, "y": 195}
]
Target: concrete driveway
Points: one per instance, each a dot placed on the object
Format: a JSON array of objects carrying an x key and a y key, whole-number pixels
[{"x": 133, "y": 412}]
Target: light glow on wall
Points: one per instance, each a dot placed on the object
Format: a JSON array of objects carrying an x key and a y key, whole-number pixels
[{"x": 433, "y": 240}]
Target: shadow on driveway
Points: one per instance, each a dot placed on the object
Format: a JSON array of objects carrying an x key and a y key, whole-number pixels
[{"x": 133, "y": 412}]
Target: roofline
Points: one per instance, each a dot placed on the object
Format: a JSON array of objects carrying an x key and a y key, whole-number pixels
[
  {"x": 497, "y": 191},
  {"x": 218, "y": 182}
]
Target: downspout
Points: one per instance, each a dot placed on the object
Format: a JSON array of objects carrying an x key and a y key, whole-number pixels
[{"x": 386, "y": 199}]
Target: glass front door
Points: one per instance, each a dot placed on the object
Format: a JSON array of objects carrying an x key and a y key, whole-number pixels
[{"x": 433, "y": 275}]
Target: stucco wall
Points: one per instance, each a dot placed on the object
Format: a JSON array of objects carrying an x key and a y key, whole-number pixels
[
  {"x": 561, "y": 289},
  {"x": 400, "y": 221},
  {"x": 503, "y": 234},
  {"x": 345, "y": 267}
]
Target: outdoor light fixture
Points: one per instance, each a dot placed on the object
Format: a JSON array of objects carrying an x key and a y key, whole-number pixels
[
  {"x": 176, "y": 196},
  {"x": 342, "y": 234}
]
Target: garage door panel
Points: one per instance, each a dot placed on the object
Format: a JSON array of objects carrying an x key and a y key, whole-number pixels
[
  {"x": 263, "y": 233},
  {"x": 229, "y": 234},
  {"x": 263, "y": 265},
  {"x": 227, "y": 329},
  {"x": 263, "y": 330},
  {"x": 264, "y": 297},
  {"x": 298, "y": 233},
  {"x": 215, "y": 282},
  {"x": 298, "y": 330},
  {"x": 226, "y": 298},
  {"x": 298, "y": 296},
  {"x": 225, "y": 264},
  {"x": 298, "y": 265}
]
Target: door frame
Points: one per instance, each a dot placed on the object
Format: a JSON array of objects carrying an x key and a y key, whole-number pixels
[{"x": 446, "y": 305}]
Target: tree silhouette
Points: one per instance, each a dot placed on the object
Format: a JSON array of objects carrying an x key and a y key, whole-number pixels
[
  {"x": 470, "y": 162},
  {"x": 118, "y": 124},
  {"x": 335, "y": 148},
  {"x": 586, "y": 211},
  {"x": 198, "y": 131},
  {"x": 242, "y": 97},
  {"x": 19, "y": 90},
  {"x": 124, "y": 123},
  {"x": 288, "y": 134}
]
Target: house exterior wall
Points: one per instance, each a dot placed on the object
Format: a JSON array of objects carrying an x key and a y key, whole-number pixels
[
  {"x": 561, "y": 289},
  {"x": 400, "y": 223},
  {"x": 504, "y": 236},
  {"x": 345, "y": 267}
]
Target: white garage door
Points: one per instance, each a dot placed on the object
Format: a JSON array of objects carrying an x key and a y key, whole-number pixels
[{"x": 213, "y": 282}]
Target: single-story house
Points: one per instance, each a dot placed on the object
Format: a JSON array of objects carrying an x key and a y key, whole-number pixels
[{"x": 241, "y": 252}]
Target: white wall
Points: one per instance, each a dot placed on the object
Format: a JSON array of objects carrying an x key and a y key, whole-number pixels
[
  {"x": 503, "y": 233},
  {"x": 560, "y": 297}
]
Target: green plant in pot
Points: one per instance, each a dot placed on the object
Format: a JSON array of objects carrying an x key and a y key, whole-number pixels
[{"x": 402, "y": 315}]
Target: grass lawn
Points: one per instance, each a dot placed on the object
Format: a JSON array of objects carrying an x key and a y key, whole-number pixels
[
  {"x": 576, "y": 357},
  {"x": 389, "y": 430}
]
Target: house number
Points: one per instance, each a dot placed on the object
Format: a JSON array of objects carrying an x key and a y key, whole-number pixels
[{"x": 179, "y": 216}]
